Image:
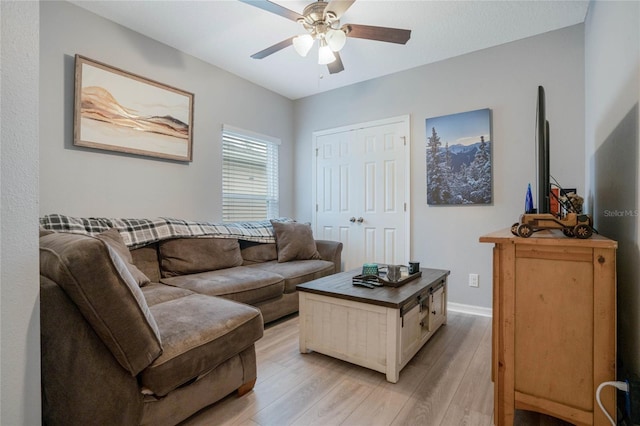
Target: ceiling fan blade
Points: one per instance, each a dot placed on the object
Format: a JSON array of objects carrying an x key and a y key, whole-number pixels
[
  {"x": 273, "y": 49},
  {"x": 390, "y": 35},
  {"x": 274, "y": 8},
  {"x": 338, "y": 7},
  {"x": 335, "y": 66}
]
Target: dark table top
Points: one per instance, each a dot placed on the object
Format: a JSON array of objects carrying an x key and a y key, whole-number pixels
[{"x": 340, "y": 286}]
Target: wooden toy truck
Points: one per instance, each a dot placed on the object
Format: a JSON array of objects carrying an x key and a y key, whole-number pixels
[{"x": 572, "y": 225}]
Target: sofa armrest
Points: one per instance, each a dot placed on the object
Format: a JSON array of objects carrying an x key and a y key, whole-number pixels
[{"x": 331, "y": 251}]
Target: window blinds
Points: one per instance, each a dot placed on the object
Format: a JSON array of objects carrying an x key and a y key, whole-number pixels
[{"x": 249, "y": 176}]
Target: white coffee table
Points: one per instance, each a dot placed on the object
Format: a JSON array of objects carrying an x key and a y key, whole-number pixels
[{"x": 380, "y": 328}]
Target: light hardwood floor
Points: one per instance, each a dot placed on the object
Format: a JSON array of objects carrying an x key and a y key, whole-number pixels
[{"x": 447, "y": 383}]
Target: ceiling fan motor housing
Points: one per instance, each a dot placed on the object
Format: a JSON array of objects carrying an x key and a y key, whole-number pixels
[{"x": 316, "y": 20}]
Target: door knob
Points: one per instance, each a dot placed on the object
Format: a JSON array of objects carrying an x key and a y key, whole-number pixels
[
  {"x": 352, "y": 220},
  {"x": 360, "y": 219}
]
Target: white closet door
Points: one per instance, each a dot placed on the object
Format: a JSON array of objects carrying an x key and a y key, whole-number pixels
[{"x": 362, "y": 191}]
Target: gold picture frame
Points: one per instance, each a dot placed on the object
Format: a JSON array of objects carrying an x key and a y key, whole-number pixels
[{"x": 119, "y": 111}]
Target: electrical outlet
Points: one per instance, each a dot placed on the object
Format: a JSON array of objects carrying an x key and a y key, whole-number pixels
[{"x": 473, "y": 280}]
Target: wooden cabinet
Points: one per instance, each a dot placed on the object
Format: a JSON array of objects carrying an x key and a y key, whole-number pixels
[{"x": 554, "y": 325}]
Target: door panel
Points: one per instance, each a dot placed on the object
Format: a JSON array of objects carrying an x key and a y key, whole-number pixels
[
  {"x": 328, "y": 188},
  {"x": 334, "y": 203},
  {"x": 389, "y": 186},
  {"x": 344, "y": 188},
  {"x": 390, "y": 246},
  {"x": 370, "y": 187},
  {"x": 369, "y": 244},
  {"x": 344, "y": 235}
]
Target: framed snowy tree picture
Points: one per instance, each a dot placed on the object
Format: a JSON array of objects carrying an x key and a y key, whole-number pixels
[{"x": 459, "y": 160}]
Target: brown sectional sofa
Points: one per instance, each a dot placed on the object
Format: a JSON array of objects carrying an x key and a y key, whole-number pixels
[{"x": 154, "y": 334}]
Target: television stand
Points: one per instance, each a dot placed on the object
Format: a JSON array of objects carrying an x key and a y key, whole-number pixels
[{"x": 554, "y": 325}]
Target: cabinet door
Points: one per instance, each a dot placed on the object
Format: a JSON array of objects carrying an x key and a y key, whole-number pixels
[
  {"x": 410, "y": 333},
  {"x": 437, "y": 309},
  {"x": 554, "y": 323}
]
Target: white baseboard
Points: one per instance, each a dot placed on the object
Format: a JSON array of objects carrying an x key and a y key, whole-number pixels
[{"x": 470, "y": 309}]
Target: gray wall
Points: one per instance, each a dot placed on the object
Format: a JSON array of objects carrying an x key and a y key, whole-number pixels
[
  {"x": 19, "y": 302},
  {"x": 87, "y": 182},
  {"x": 504, "y": 79},
  {"x": 501, "y": 78},
  {"x": 612, "y": 90}
]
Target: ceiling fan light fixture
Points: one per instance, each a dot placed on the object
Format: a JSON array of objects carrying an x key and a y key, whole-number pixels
[
  {"x": 325, "y": 55},
  {"x": 336, "y": 39},
  {"x": 321, "y": 20},
  {"x": 302, "y": 44}
]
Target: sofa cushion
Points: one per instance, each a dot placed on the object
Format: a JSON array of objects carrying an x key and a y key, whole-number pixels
[
  {"x": 198, "y": 333},
  {"x": 155, "y": 293},
  {"x": 257, "y": 252},
  {"x": 297, "y": 271},
  {"x": 113, "y": 238},
  {"x": 146, "y": 259},
  {"x": 242, "y": 284},
  {"x": 181, "y": 256},
  {"x": 294, "y": 241},
  {"x": 96, "y": 279}
]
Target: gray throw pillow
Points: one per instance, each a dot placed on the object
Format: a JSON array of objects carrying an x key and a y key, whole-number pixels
[
  {"x": 113, "y": 238},
  {"x": 258, "y": 252},
  {"x": 294, "y": 241},
  {"x": 180, "y": 256}
]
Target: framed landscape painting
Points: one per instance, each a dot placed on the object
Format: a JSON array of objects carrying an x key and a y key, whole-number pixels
[
  {"x": 459, "y": 160},
  {"x": 119, "y": 111}
]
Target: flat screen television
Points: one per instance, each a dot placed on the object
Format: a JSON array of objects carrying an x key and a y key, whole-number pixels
[{"x": 542, "y": 142}]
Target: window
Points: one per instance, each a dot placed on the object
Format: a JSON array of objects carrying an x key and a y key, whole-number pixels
[{"x": 249, "y": 175}]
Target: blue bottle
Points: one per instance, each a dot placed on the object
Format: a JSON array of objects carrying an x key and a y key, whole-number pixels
[{"x": 528, "y": 201}]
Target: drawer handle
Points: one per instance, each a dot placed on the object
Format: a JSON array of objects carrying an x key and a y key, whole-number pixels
[{"x": 433, "y": 312}]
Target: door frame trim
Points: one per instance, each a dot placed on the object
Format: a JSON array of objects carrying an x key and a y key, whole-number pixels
[{"x": 405, "y": 120}]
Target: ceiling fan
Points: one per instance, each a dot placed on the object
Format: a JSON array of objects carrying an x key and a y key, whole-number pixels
[{"x": 321, "y": 20}]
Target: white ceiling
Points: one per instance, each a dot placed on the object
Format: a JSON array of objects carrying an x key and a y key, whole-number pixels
[{"x": 226, "y": 32}]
